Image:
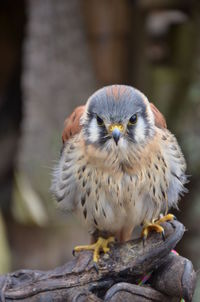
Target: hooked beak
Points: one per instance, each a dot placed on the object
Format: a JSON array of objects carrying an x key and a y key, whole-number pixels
[{"x": 116, "y": 131}]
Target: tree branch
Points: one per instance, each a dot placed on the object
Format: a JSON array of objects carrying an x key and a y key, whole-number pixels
[{"x": 117, "y": 276}]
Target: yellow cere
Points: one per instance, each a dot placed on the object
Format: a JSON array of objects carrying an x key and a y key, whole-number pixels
[{"x": 120, "y": 127}]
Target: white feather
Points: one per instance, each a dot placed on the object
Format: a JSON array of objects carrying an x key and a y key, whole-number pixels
[
  {"x": 139, "y": 130},
  {"x": 93, "y": 131}
]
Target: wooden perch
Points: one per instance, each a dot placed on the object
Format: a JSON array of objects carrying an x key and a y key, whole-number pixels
[{"x": 117, "y": 277}]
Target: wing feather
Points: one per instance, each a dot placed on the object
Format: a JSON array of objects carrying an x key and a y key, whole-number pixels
[
  {"x": 160, "y": 121},
  {"x": 72, "y": 124}
]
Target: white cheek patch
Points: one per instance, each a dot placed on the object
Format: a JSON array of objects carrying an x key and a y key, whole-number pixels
[
  {"x": 139, "y": 131},
  {"x": 93, "y": 131}
]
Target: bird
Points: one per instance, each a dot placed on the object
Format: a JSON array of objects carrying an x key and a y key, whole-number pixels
[{"x": 119, "y": 168}]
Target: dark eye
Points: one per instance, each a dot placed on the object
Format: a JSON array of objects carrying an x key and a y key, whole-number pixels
[
  {"x": 100, "y": 122},
  {"x": 133, "y": 119}
]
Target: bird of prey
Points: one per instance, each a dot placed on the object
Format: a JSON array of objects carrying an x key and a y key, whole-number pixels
[{"x": 120, "y": 167}]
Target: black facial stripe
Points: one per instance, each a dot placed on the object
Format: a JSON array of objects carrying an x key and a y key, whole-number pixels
[
  {"x": 103, "y": 136},
  {"x": 130, "y": 133}
]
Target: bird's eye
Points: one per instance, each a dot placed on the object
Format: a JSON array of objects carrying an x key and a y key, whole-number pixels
[
  {"x": 100, "y": 122},
  {"x": 133, "y": 119}
]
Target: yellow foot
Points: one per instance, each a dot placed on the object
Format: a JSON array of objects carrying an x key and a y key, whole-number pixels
[
  {"x": 155, "y": 226},
  {"x": 97, "y": 247}
]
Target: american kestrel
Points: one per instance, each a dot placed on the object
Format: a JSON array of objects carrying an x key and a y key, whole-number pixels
[{"x": 119, "y": 167}]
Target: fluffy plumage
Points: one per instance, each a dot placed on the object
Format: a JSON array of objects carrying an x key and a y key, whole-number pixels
[{"x": 114, "y": 187}]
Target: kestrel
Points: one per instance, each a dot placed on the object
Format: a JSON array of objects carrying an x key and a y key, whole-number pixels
[{"x": 119, "y": 167}]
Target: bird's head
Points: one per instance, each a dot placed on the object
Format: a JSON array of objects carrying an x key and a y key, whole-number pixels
[{"x": 116, "y": 116}]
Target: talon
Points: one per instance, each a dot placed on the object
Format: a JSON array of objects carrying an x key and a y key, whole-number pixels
[
  {"x": 163, "y": 235},
  {"x": 149, "y": 227},
  {"x": 144, "y": 240},
  {"x": 100, "y": 245},
  {"x": 96, "y": 267},
  {"x": 155, "y": 226}
]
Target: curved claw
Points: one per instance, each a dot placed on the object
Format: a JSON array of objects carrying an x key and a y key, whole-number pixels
[
  {"x": 95, "y": 267},
  {"x": 144, "y": 240},
  {"x": 163, "y": 235},
  {"x": 155, "y": 226}
]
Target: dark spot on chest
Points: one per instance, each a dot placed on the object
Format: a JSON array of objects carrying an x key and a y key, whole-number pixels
[
  {"x": 84, "y": 183},
  {"x": 164, "y": 162},
  {"x": 104, "y": 213},
  {"x": 163, "y": 169},
  {"x": 156, "y": 166},
  {"x": 88, "y": 191},
  {"x": 85, "y": 213},
  {"x": 95, "y": 222},
  {"x": 163, "y": 192},
  {"x": 60, "y": 198},
  {"x": 83, "y": 168},
  {"x": 89, "y": 173},
  {"x": 174, "y": 174},
  {"x": 83, "y": 200}
]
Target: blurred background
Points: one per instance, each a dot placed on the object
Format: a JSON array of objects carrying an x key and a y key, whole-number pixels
[{"x": 53, "y": 56}]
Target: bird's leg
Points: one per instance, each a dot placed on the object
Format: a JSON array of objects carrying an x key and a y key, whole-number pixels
[
  {"x": 155, "y": 226},
  {"x": 97, "y": 247}
]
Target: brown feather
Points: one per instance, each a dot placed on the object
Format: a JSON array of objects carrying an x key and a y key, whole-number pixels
[
  {"x": 72, "y": 124},
  {"x": 160, "y": 121},
  {"x": 116, "y": 91}
]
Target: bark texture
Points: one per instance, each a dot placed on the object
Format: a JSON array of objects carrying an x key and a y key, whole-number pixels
[{"x": 115, "y": 279}]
